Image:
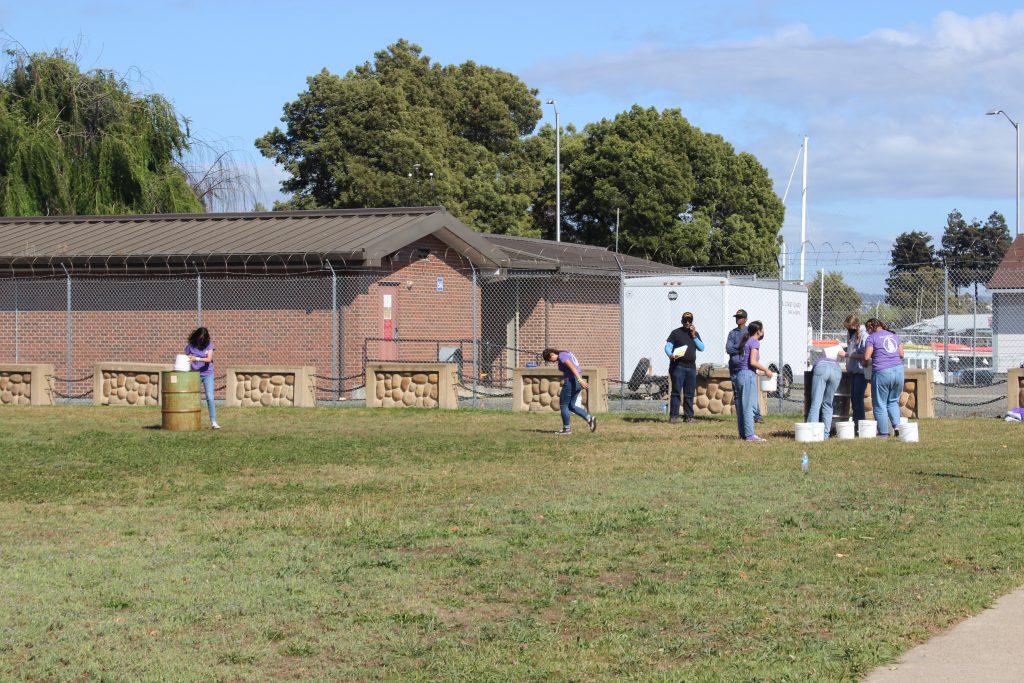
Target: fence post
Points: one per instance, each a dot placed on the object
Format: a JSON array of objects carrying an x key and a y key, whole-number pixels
[
  {"x": 945, "y": 331},
  {"x": 67, "y": 340},
  {"x": 17, "y": 324},
  {"x": 199, "y": 299},
  {"x": 780, "y": 382},
  {"x": 476, "y": 353},
  {"x": 622, "y": 323},
  {"x": 334, "y": 333}
]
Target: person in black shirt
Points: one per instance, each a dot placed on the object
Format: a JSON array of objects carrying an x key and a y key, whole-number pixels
[{"x": 681, "y": 347}]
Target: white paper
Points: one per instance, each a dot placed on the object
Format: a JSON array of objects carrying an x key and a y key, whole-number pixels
[{"x": 679, "y": 352}]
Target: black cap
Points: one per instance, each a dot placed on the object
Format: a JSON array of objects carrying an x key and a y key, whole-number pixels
[
  {"x": 687, "y": 317},
  {"x": 740, "y": 314}
]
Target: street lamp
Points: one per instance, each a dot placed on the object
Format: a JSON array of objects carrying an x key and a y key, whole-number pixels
[
  {"x": 1016, "y": 127},
  {"x": 558, "y": 173}
]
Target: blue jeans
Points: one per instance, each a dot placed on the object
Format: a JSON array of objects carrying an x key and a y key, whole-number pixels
[
  {"x": 208, "y": 385},
  {"x": 824, "y": 382},
  {"x": 745, "y": 393},
  {"x": 858, "y": 383},
  {"x": 886, "y": 387},
  {"x": 757, "y": 404},
  {"x": 684, "y": 378},
  {"x": 568, "y": 400}
]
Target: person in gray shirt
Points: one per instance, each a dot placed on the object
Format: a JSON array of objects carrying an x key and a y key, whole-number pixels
[{"x": 734, "y": 347}]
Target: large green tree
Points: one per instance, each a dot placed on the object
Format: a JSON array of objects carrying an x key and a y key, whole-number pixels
[
  {"x": 972, "y": 251},
  {"x": 685, "y": 196},
  {"x": 912, "y": 253},
  {"x": 402, "y": 130},
  {"x": 84, "y": 143},
  {"x": 840, "y": 301}
]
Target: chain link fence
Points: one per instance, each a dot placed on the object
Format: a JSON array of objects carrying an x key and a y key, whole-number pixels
[{"x": 490, "y": 323}]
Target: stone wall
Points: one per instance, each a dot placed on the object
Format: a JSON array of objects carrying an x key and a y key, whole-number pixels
[
  {"x": 1015, "y": 388},
  {"x": 411, "y": 385},
  {"x": 127, "y": 384},
  {"x": 26, "y": 384},
  {"x": 714, "y": 395},
  {"x": 916, "y": 399},
  {"x": 537, "y": 389},
  {"x": 254, "y": 387}
]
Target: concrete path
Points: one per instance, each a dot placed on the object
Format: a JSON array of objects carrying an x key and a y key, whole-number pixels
[{"x": 988, "y": 648}]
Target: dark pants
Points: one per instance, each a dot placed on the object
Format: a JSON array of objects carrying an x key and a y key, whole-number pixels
[
  {"x": 684, "y": 378},
  {"x": 858, "y": 385},
  {"x": 757, "y": 404}
]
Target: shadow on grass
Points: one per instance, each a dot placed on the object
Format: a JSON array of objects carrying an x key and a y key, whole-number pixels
[
  {"x": 948, "y": 475},
  {"x": 636, "y": 419}
]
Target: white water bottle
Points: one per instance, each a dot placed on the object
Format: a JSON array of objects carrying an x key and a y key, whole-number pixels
[
  {"x": 664, "y": 408},
  {"x": 805, "y": 463}
]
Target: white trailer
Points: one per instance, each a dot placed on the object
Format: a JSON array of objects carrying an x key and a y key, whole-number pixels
[{"x": 653, "y": 307}]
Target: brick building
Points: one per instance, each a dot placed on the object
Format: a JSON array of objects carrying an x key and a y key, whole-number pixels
[{"x": 332, "y": 289}]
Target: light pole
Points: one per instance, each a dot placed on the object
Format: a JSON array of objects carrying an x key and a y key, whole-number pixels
[
  {"x": 1016, "y": 127},
  {"x": 558, "y": 173}
]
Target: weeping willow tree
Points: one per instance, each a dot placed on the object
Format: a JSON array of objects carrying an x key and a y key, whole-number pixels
[{"x": 74, "y": 143}]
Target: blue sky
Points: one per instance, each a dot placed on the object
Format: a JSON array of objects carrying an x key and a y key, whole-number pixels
[{"x": 893, "y": 95}]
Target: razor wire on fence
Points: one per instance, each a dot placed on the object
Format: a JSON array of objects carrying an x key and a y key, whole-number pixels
[{"x": 422, "y": 310}]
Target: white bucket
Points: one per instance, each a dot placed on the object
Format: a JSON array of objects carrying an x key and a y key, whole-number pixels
[
  {"x": 181, "y": 363},
  {"x": 868, "y": 429},
  {"x": 810, "y": 431},
  {"x": 908, "y": 432},
  {"x": 845, "y": 429},
  {"x": 770, "y": 384}
]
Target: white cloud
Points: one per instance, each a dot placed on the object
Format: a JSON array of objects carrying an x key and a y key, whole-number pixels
[{"x": 896, "y": 112}]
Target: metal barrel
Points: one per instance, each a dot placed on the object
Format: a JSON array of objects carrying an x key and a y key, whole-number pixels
[{"x": 179, "y": 394}]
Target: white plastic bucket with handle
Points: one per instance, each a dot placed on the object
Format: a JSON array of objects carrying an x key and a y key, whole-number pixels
[
  {"x": 769, "y": 384},
  {"x": 908, "y": 432},
  {"x": 181, "y": 363},
  {"x": 808, "y": 432},
  {"x": 845, "y": 430},
  {"x": 868, "y": 429}
]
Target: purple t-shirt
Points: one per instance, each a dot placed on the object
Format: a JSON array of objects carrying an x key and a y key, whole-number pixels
[
  {"x": 751, "y": 344},
  {"x": 566, "y": 360},
  {"x": 204, "y": 369},
  {"x": 886, "y": 352}
]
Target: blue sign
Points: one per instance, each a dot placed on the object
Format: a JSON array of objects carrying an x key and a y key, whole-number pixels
[{"x": 440, "y": 284}]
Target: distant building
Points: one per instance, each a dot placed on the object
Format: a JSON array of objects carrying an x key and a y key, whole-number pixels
[{"x": 1007, "y": 288}]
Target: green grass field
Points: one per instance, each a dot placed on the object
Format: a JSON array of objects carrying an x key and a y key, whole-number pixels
[{"x": 351, "y": 544}]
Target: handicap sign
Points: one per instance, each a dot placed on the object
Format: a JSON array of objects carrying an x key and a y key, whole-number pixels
[{"x": 440, "y": 284}]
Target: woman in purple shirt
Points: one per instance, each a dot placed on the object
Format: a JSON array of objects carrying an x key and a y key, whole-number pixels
[
  {"x": 572, "y": 387},
  {"x": 884, "y": 351},
  {"x": 200, "y": 353},
  {"x": 745, "y": 390}
]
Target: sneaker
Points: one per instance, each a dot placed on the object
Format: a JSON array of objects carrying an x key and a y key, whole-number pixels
[
  {"x": 672, "y": 420},
  {"x": 215, "y": 425},
  {"x": 896, "y": 432},
  {"x": 882, "y": 436},
  {"x": 564, "y": 430},
  {"x": 758, "y": 420},
  {"x": 755, "y": 437},
  {"x": 592, "y": 421},
  {"x": 687, "y": 419}
]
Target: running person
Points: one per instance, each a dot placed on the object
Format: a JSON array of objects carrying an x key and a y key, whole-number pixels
[{"x": 572, "y": 387}]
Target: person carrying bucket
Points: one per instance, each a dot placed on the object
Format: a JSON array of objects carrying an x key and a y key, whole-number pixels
[{"x": 199, "y": 350}]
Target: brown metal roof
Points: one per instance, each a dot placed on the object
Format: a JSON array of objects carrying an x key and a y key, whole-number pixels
[
  {"x": 1010, "y": 273},
  {"x": 345, "y": 236},
  {"x": 282, "y": 240},
  {"x": 528, "y": 253}
]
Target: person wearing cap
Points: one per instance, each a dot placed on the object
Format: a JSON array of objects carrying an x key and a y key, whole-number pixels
[
  {"x": 734, "y": 347},
  {"x": 681, "y": 347}
]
